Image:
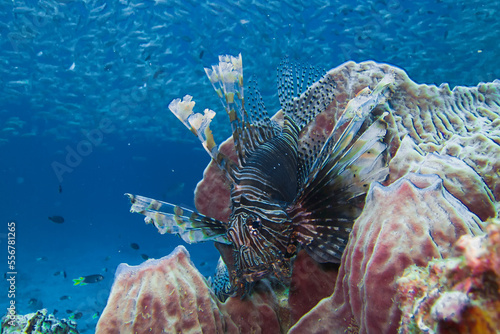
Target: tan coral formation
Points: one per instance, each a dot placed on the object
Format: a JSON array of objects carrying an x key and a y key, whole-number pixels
[
  {"x": 459, "y": 294},
  {"x": 409, "y": 222},
  {"x": 169, "y": 295},
  {"x": 463, "y": 122}
]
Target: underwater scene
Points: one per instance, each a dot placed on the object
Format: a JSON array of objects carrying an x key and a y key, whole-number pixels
[{"x": 184, "y": 166}]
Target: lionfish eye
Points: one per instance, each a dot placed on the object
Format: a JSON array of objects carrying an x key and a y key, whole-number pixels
[{"x": 254, "y": 222}]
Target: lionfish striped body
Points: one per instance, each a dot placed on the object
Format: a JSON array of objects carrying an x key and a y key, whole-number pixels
[{"x": 285, "y": 194}]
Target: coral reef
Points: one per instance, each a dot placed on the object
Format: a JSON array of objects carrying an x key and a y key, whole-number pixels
[
  {"x": 463, "y": 123},
  {"x": 409, "y": 222},
  {"x": 311, "y": 282},
  {"x": 450, "y": 138},
  {"x": 37, "y": 323},
  {"x": 458, "y": 178},
  {"x": 459, "y": 294},
  {"x": 170, "y": 295}
]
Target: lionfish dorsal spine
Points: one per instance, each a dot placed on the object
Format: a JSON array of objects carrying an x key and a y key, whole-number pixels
[
  {"x": 354, "y": 116},
  {"x": 250, "y": 123},
  {"x": 303, "y": 91},
  {"x": 197, "y": 123},
  {"x": 227, "y": 81}
]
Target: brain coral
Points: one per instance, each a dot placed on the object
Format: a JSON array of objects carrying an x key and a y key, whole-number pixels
[{"x": 409, "y": 222}]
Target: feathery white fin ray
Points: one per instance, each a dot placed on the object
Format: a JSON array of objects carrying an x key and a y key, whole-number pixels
[
  {"x": 197, "y": 123},
  {"x": 250, "y": 122},
  {"x": 191, "y": 226},
  {"x": 227, "y": 81}
]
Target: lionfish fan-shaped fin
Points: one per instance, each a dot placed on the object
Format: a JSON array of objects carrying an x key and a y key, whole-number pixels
[
  {"x": 257, "y": 128},
  {"x": 227, "y": 80},
  {"x": 324, "y": 243},
  {"x": 339, "y": 180},
  {"x": 303, "y": 91},
  {"x": 199, "y": 125},
  {"x": 191, "y": 226},
  {"x": 342, "y": 147}
]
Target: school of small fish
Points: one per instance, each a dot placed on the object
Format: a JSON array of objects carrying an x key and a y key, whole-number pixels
[{"x": 67, "y": 65}]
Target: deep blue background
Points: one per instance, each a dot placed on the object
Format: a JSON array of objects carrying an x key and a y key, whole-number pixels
[{"x": 67, "y": 65}]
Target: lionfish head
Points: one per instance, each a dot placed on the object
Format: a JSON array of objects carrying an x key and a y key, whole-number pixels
[{"x": 260, "y": 249}]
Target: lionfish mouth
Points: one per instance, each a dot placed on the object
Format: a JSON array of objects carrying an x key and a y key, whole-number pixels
[
  {"x": 255, "y": 274},
  {"x": 272, "y": 269}
]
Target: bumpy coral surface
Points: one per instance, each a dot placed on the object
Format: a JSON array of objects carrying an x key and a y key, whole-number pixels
[
  {"x": 409, "y": 222},
  {"x": 456, "y": 295},
  {"x": 169, "y": 295},
  {"x": 458, "y": 178},
  {"x": 40, "y": 322}
]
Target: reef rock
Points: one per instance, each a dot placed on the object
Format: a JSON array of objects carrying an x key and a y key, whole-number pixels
[
  {"x": 169, "y": 295},
  {"x": 455, "y": 295},
  {"x": 409, "y": 222},
  {"x": 451, "y": 135}
]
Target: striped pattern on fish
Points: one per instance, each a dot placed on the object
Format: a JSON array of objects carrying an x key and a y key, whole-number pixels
[{"x": 286, "y": 193}]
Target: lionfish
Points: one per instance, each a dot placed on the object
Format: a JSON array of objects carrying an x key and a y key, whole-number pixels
[{"x": 287, "y": 193}]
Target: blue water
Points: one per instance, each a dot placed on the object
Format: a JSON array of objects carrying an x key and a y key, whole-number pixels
[{"x": 68, "y": 67}]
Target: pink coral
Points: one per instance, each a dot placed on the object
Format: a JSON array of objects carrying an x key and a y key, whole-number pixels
[
  {"x": 409, "y": 222},
  {"x": 455, "y": 295},
  {"x": 169, "y": 295},
  {"x": 460, "y": 123}
]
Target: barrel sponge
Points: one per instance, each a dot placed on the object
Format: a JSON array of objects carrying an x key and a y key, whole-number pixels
[
  {"x": 167, "y": 294},
  {"x": 408, "y": 222}
]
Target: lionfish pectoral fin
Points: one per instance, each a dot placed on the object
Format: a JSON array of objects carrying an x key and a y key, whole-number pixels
[
  {"x": 333, "y": 196},
  {"x": 191, "y": 226}
]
